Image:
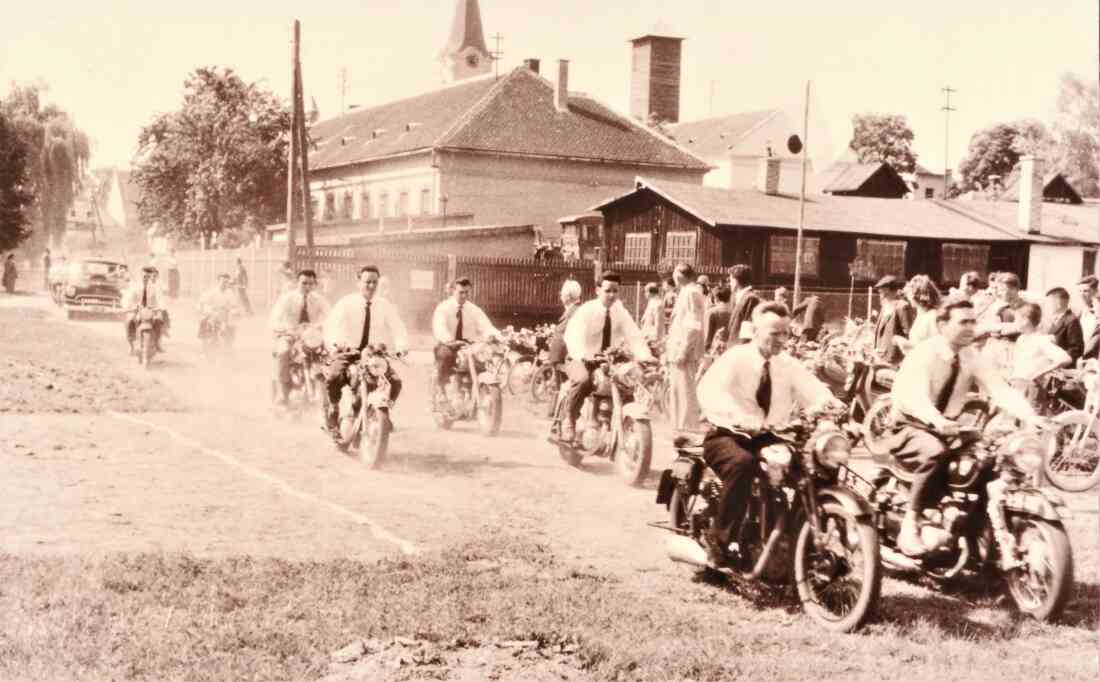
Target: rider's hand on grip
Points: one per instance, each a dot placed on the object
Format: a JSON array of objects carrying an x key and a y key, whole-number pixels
[{"x": 948, "y": 428}]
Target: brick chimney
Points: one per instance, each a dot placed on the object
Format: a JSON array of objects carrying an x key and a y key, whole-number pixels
[
  {"x": 655, "y": 78},
  {"x": 532, "y": 64},
  {"x": 561, "y": 88},
  {"x": 767, "y": 175},
  {"x": 1030, "y": 211}
]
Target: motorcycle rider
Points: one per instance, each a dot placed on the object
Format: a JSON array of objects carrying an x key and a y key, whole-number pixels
[
  {"x": 359, "y": 320},
  {"x": 221, "y": 299},
  {"x": 596, "y": 326},
  {"x": 933, "y": 382},
  {"x": 457, "y": 319},
  {"x": 749, "y": 390},
  {"x": 145, "y": 294},
  {"x": 294, "y": 310}
]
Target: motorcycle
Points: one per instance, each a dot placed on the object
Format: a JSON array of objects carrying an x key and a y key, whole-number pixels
[
  {"x": 365, "y": 426},
  {"x": 802, "y": 525},
  {"x": 216, "y": 332},
  {"x": 145, "y": 335},
  {"x": 989, "y": 521},
  {"x": 1071, "y": 461},
  {"x": 474, "y": 390},
  {"x": 614, "y": 420},
  {"x": 307, "y": 356}
]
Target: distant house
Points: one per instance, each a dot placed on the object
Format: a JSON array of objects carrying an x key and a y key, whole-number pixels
[
  {"x": 853, "y": 179},
  {"x": 928, "y": 184},
  {"x": 1056, "y": 188}
]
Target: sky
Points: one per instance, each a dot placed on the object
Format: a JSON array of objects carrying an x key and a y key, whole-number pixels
[{"x": 116, "y": 64}]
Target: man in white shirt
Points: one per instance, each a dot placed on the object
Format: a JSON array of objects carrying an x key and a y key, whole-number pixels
[
  {"x": 1088, "y": 287},
  {"x": 749, "y": 390},
  {"x": 932, "y": 383},
  {"x": 219, "y": 300},
  {"x": 684, "y": 348},
  {"x": 359, "y": 320},
  {"x": 457, "y": 320},
  {"x": 1035, "y": 354},
  {"x": 145, "y": 294},
  {"x": 293, "y": 312},
  {"x": 599, "y": 325}
]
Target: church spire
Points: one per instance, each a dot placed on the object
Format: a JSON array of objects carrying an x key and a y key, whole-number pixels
[{"x": 465, "y": 54}]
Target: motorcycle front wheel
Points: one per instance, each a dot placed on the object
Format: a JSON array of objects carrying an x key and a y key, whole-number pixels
[
  {"x": 375, "y": 438},
  {"x": 146, "y": 353},
  {"x": 1041, "y": 587},
  {"x": 1072, "y": 458},
  {"x": 520, "y": 374},
  {"x": 490, "y": 411},
  {"x": 838, "y": 578},
  {"x": 634, "y": 452}
]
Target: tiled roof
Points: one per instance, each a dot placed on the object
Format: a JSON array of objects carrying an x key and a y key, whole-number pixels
[
  {"x": 882, "y": 217},
  {"x": 1060, "y": 222},
  {"x": 513, "y": 115},
  {"x": 846, "y": 176},
  {"x": 1012, "y": 186},
  {"x": 921, "y": 170},
  {"x": 714, "y": 138}
]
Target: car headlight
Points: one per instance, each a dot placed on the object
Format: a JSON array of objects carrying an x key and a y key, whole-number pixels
[
  {"x": 312, "y": 338},
  {"x": 377, "y": 366},
  {"x": 483, "y": 352},
  {"x": 70, "y": 290},
  {"x": 833, "y": 450},
  {"x": 1024, "y": 453}
]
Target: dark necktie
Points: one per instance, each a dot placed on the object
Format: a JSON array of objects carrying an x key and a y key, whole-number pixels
[
  {"x": 458, "y": 327},
  {"x": 605, "y": 339},
  {"x": 366, "y": 328},
  {"x": 303, "y": 317},
  {"x": 144, "y": 295},
  {"x": 764, "y": 390},
  {"x": 948, "y": 388}
]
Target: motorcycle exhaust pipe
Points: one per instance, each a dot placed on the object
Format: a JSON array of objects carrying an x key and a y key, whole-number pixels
[{"x": 684, "y": 550}]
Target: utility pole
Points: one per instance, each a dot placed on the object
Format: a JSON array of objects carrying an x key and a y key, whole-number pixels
[
  {"x": 947, "y": 109},
  {"x": 303, "y": 146},
  {"x": 292, "y": 156},
  {"x": 343, "y": 88},
  {"x": 801, "y": 202},
  {"x": 496, "y": 55}
]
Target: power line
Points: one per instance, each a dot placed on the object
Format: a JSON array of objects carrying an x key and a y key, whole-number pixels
[
  {"x": 496, "y": 54},
  {"x": 947, "y": 109}
]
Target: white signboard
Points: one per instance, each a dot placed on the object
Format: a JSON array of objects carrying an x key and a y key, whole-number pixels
[{"x": 422, "y": 280}]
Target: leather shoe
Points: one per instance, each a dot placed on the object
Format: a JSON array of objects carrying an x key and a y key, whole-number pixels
[
  {"x": 568, "y": 431},
  {"x": 717, "y": 551},
  {"x": 910, "y": 543}
]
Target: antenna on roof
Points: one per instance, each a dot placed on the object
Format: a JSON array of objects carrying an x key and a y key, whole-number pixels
[{"x": 496, "y": 55}]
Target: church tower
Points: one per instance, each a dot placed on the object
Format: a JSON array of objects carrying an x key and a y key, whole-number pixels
[{"x": 465, "y": 54}]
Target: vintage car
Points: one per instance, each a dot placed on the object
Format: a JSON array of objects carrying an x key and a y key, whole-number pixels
[{"x": 93, "y": 285}]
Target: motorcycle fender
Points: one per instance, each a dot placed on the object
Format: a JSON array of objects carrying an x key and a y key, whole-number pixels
[
  {"x": 488, "y": 378},
  {"x": 1044, "y": 505},
  {"x": 378, "y": 401},
  {"x": 638, "y": 413},
  {"x": 852, "y": 503},
  {"x": 666, "y": 487}
]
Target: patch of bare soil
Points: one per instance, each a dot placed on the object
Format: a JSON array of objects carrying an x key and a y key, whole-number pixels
[{"x": 54, "y": 366}]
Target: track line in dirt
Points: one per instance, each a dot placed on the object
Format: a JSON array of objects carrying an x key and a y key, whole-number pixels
[{"x": 376, "y": 530}]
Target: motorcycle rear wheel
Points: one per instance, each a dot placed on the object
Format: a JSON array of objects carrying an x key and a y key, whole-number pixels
[
  {"x": 834, "y": 605},
  {"x": 1043, "y": 597},
  {"x": 634, "y": 453}
]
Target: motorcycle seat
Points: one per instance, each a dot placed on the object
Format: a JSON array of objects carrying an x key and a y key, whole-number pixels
[{"x": 689, "y": 444}]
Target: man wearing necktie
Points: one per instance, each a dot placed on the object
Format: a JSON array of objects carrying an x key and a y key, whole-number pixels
[
  {"x": 456, "y": 321},
  {"x": 294, "y": 311},
  {"x": 932, "y": 383},
  {"x": 359, "y": 320},
  {"x": 748, "y": 391},
  {"x": 597, "y": 326},
  {"x": 145, "y": 294}
]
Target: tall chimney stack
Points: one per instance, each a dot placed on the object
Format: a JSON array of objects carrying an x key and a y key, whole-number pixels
[
  {"x": 561, "y": 88},
  {"x": 767, "y": 175},
  {"x": 655, "y": 78},
  {"x": 532, "y": 64},
  {"x": 1030, "y": 210}
]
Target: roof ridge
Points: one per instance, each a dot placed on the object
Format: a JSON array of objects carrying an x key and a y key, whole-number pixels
[
  {"x": 665, "y": 139},
  {"x": 362, "y": 110},
  {"x": 948, "y": 206},
  {"x": 771, "y": 111},
  {"x": 467, "y": 118}
]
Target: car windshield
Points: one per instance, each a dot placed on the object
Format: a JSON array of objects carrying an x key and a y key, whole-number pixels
[{"x": 91, "y": 268}]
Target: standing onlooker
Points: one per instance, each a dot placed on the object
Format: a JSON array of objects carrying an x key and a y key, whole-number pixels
[
  {"x": 669, "y": 293},
  {"x": 46, "y": 262},
  {"x": 685, "y": 348},
  {"x": 1034, "y": 353},
  {"x": 704, "y": 284},
  {"x": 653, "y": 318},
  {"x": 926, "y": 297},
  {"x": 240, "y": 280},
  {"x": 1064, "y": 325},
  {"x": 895, "y": 318},
  {"x": 1087, "y": 287},
  {"x": 782, "y": 295},
  {"x": 718, "y": 317},
  {"x": 10, "y": 274},
  {"x": 1000, "y": 323},
  {"x": 173, "y": 269},
  {"x": 745, "y": 301}
]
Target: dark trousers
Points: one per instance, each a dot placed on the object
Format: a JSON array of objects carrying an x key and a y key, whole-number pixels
[
  {"x": 445, "y": 357},
  {"x": 336, "y": 378},
  {"x": 577, "y": 392},
  {"x": 242, "y": 293},
  {"x": 923, "y": 455},
  {"x": 733, "y": 457},
  {"x": 160, "y": 326}
]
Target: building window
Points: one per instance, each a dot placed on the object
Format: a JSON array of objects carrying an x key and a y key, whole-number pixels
[
  {"x": 347, "y": 206},
  {"x": 425, "y": 202},
  {"x": 680, "y": 246},
  {"x": 314, "y": 205},
  {"x": 962, "y": 258},
  {"x": 403, "y": 204},
  {"x": 637, "y": 248},
  {"x": 383, "y": 205},
  {"x": 1088, "y": 262},
  {"x": 330, "y": 206},
  {"x": 781, "y": 251},
  {"x": 364, "y": 205},
  {"x": 929, "y": 193},
  {"x": 884, "y": 258}
]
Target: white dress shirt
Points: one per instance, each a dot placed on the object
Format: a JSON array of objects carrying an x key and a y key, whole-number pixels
[
  {"x": 1035, "y": 354},
  {"x": 727, "y": 392},
  {"x": 131, "y": 298},
  {"x": 215, "y": 299},
  {"x": 924, "y": 327},
  {"x": 288, "y": 310},
  {"x": 584, "y": 334},
  {"x": 476, "y": 326},
  {"x": 344, "y": 324},
  {"x": 1088, "y": 323},
  {"x": 925, "y": 372},
  {"x": 685, "y": 329}
]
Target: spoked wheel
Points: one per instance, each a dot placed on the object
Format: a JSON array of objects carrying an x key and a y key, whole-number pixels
[
  {"x": 876, "y": 425},
  {"x": 375, "y": 438},
  {"x": 570, "y": 454},
  {"x": 490, "y": 410},
  {"x": 544, "y": 388},
  {"x": 351, "y": 433},
  {"x": 840, "y": 577},
  {"x": 1072, "y": 458},
  {"x": 520, "y": 374},
  {"x": 679, "y": 509},
  {"x": 503, "y": 371},
  {"x": 146, "y": 353},
  {"x": 635, "y": 452},
  {"x": 1041, "y": 587}
]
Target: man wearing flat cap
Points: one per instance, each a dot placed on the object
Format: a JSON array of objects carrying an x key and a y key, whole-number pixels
[{"x": 894, "y": 319}]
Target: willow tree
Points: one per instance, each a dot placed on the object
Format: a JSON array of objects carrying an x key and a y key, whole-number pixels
[{"x": 57, "y": 155}]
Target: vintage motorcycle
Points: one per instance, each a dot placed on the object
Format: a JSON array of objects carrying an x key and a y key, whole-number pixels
[
  {"x": 216, "y": 332},
  {"x": 474, "y": 391},
  {"x": 365, "y": 426},
  {"x": 988, "y": 519},
  {"x": 307, "y": 356},
  {"x": 1072, "y": 458},
  {"x": 145, "y": 334},
  {"x": 802, "y": 525},
  {"x": 614, "y": 420}
]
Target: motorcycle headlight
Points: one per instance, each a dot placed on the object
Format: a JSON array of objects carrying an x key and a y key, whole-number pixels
[
  {"x": 377, "y": 366},
  {"x": 833, "y": 450},
  {"x": 1024, "y": 453},
  {"x": 777, "y": 455},
  {"x": 483, "y": 352},
  {"x": 628, "y": 374},
  {"x": 312, "y": 338}
]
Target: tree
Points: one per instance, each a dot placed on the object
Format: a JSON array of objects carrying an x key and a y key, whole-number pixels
[
  {"x": 1077, "y": 134},
  {"x": 14, "y": 197},
  {"x": 218, "y": 161},
  {"x": 57, "y": 154},
  {"x": 994, "y": 151},
  {"x": 884, "y": 137}
]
